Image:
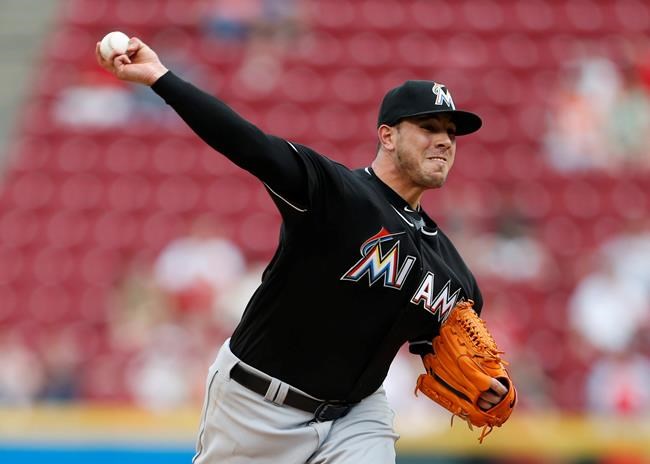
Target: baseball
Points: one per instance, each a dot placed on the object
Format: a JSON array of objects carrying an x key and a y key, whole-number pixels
[{"x": 114, "y": 42}]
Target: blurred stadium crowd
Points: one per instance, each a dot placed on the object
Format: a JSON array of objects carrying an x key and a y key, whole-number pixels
[{"x": 128, "y": 249}]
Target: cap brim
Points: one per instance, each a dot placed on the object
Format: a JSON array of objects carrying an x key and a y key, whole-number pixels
[{"x": 466, "y": 122}]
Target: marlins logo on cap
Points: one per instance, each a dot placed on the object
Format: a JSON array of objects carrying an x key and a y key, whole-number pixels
[{"x": 418, "y": 98}]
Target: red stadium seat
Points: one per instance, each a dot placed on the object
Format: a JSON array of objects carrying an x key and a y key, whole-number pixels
[
  {"x": 49, "y": 303},
  {"x": 333, "y": 14},
  {"x": 354, "y": 85},
  {"x": 173, "y": 156},
  {"x": 518, "y": 51},
  {"x": 336, "y": 122},
  {"x": 535, "y": 15},
  {"x": 302, "y": 84},
  {"x": 52, "y": 266},
  {"x": 367, "y": 49},
  {"x": 8, "y": 300},
  {"x": 259, "y": 234},
  {"x": 77, "y": 154},
  {"x": 130, "y": 193},
  {"x": 177, "y": 194},
  {"x": 585, "y": 15},
  {"x": 287, "y": 120},
  {"x": 32, "y": 190},
  {"x": 126, "y": 155},
  {"x": 485, "y": 16},
  {"x": 435, "y": 15},
  {"x": 20, "y": 228},
  {"x": 632, "y": 15},
  {"x": 383, "y": 15},
  {"x": 67, "y": 229},
  {"x": 82, "y": 192},
  {"x": 83, "y": 12},
  {"x": 12, "y": 264},
  {"x": 159, "y": 228},
  {"x": 321, "y": 49},
  {"x": 115, "y": 230},
  {"x": 582, "y": 200},
  {"x": 466, "y": 51},
  {"x": 100, "y": 266},
  {"x": 229, "y": 195}
]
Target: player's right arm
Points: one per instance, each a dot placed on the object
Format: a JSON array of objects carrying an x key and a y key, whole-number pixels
[{"x": 269, "y": 158}]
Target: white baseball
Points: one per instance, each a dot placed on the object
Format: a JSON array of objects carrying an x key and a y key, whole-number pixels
[{"x": 114, "y": 42}]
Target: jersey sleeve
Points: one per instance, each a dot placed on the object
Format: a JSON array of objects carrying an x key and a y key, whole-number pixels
[
  {"x": 269, "y": 158},
  {"x": 421, "y": 346}
]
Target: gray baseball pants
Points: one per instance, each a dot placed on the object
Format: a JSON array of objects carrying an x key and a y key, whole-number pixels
[{"x": 240, "y": 426}]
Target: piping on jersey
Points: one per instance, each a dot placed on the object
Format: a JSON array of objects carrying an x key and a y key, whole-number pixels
[
  {"x": 300, "y": 210},
  {"x": 421, "y": 229},
  {"x": 403, "y": 218},
  {"x": 406, "y": 208}
]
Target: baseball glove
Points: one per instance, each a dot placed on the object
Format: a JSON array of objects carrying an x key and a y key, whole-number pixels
[{"x": 465, "y": 358}]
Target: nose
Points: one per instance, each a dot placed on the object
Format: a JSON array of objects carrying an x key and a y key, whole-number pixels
[{"x": 442, "y": 140}]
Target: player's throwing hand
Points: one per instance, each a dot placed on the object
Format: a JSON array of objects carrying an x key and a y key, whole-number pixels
[{"x": 139, "y": 64}]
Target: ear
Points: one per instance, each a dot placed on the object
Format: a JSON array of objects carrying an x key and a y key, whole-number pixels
[{"x": 386, "y": 136}]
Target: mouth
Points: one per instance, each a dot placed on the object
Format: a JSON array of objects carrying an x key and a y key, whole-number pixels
[{"x": 437, "y": 156}]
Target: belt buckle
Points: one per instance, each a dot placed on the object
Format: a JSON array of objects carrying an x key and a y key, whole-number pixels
[{"x": 329, "y": 411}]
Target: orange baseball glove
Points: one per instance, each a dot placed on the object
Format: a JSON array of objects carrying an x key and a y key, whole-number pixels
[{"x": 464, "y": 361}]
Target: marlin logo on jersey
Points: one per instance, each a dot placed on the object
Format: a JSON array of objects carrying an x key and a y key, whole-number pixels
[
  {"x": 377, "y": 264},
  {"x": 442, "y": 302}
]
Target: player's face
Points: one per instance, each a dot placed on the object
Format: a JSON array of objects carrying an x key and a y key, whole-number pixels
[{"x": 425, "y": 149}]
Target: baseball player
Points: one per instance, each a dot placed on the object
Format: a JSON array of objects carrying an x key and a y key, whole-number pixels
[{"x": 360, "y": 270}]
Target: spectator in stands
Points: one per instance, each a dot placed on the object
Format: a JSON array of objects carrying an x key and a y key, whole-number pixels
[
  {"x": 195, "y": 270},
  {"x": 511, "y": 252},
  {"x": 137, "y": 307},
  {"x": 605, "y": 310},
  {"x": 612, "y": 304},
  {"x": 231, "y": 20},
  {"x": 265, "y": 27},
  {"x": 576, "y": 137},
  {"x": 617, "y": 384},
  {"x": 242, "y": 20},
  {"x": 234, "y": 299},
  {"x": 168, "y": 371},
  {"x": 83, "y": 104},
  {"x": 629, "y": 123},
  {"x": 600, "y": 118},
  {"x": 61, "y": 355},
  {"x": 21, "y": 373}
]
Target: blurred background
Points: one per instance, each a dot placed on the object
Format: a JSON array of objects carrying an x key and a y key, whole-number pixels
[{"x": 128, "y": 249}]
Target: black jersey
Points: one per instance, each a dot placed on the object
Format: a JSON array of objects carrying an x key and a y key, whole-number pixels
[{"x": 357, "y": 272}]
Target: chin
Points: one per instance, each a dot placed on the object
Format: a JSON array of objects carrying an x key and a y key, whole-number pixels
[
  {"x": 434, "y": 183},
  {"x": 435, "y": 180}
]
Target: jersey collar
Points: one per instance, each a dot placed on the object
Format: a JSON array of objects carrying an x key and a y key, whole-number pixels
[{"x": 400, "y": 204}]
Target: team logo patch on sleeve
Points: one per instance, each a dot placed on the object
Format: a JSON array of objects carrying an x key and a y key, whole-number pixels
[{"x": 380, "y": 265}]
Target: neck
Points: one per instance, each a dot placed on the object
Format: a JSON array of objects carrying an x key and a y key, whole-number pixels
[{"x": 389, "y": 175}]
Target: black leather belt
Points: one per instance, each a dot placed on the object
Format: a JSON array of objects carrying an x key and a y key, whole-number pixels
[{"x": 323, "y": 411}]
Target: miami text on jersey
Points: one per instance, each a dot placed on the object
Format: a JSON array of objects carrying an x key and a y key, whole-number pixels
[
  {"x": 377, "y": 265},
  {"x": 443, "y": 302}
]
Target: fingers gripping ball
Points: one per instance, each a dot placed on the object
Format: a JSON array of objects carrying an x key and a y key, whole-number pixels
[
  {"x": 113, "y": 43},
  {"x": 461, "y": 368}
]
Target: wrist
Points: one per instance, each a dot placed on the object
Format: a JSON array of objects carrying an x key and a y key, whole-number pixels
[{"x": 156, "y": 74}]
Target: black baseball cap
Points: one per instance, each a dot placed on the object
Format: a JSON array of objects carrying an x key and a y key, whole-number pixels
[{"x": 418, "y": 98}]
